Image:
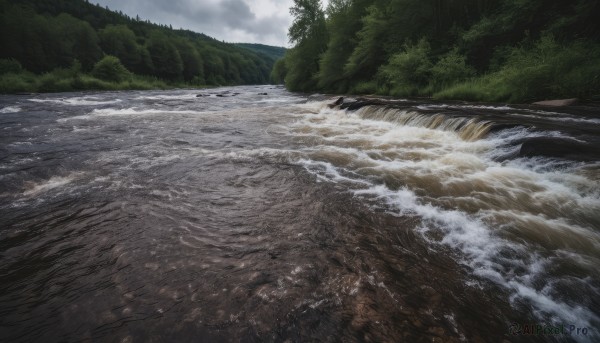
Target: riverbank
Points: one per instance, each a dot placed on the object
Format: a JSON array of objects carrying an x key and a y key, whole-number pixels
[{"x": 66, "y": 80}]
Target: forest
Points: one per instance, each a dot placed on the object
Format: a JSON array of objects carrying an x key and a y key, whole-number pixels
[
  {"x": 479, "y": 50},
  {"x": 64, "y": 45}
]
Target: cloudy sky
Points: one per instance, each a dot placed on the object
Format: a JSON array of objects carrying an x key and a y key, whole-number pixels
[{"x": 251, "y": 21}]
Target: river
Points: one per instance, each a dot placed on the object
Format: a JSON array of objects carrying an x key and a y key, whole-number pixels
[{"x": 251, "y": 214}]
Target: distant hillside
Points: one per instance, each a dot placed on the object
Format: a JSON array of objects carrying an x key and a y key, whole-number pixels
[
  {"x": 43, "y": 35},
  {"x": 275, "y": 52}
]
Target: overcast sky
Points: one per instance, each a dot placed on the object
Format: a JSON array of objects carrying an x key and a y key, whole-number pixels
[{"x": 247, "y": 21}]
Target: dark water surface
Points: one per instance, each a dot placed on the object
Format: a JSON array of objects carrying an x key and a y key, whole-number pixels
[{"x": 162, "y": 216}]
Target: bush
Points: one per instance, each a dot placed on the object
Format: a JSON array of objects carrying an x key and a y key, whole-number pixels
[
  {"x": 365, "y": 87},
  {"x": 452, "y": 68},
  {"x": 55, "y": 81},
  {"x": 549, "y": 69},
  {"x": 15, "y": 83},
  {"x": 542, "y": 70},
  {"x": 110, "y": 69},
  {"x": 407, "y": 72},
  {"x": 10, "y": 66},
  {"x": 279, "y": 71},
  {"x": 489, "y": 87}
]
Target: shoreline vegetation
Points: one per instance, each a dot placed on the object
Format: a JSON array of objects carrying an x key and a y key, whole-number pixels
[
  {"x": 17, "y": 80},
  {"x": 73, "y": 45},
  {"x": 515, "y": 51}
]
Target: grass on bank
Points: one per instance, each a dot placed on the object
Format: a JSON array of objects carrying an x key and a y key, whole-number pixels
[
  {"x": 546, "y": 70},
  {"x": 541, "y": 70},
  {"x": 107, "y": 74}
]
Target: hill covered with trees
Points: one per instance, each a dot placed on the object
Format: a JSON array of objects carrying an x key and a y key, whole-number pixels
[
  {"x": 274, "y": 52},
  {"x": 61, "y": 45},
  {"x": 484, "y": 50}
]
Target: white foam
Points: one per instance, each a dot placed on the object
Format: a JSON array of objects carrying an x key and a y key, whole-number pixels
[
  {"x": 499, "y": 215},
  {"x": 53, "y": 183},
  {"x": 10, "y": 109},
  {"x": 557, "y": 117},
  {"x": 282, "y": 99},
  {"x": 187, "y": 96},
  {"x": 482, "y": 251},
  {"x": 477, "y": 107},
  {"x": 125, "y": 112},
  {"x": 78, "y": 101}
]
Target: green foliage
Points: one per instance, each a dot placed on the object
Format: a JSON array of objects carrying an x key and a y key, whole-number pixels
[
  {"x": 368, "y": 54},
  {"x": 44, "y": 36},
  {"x": 450, "y": 69},
  {"x": 10, "y": 66},
  {"x": 120, "y": 41},
  {"x": 484, "y": 50},
  {"x": 79, "y": 41},
  {"x": 17, "y": 82},
  {"x": 550, "y": 69},
  {"x": 345, "y": 19},
  {"x": 369, "y": 87},
  {"x": 408, "y": 71},
  {"x": 191, "y": 62},
  {"x": 302, "y": 66},
  {"x": 273, "y": 52},
  {"x": 110, "y": 69},
  {"x": 485, "y": 88},
  {"x": 546, "y": 69},
  {"x": 165, "y": 57},
  {"x": 63, "y": 80},
  {"x": 279, "y": 72},
  {"x": 308, "y": 17},
  {"x": 310, "y": 34}
]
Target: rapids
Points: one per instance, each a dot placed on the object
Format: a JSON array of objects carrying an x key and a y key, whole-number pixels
[{"x": 163, "y": 216}]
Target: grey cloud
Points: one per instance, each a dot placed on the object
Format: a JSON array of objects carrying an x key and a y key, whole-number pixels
[
  {"x": 230, "y": 20},
  {"x": 237, "y": 14}
]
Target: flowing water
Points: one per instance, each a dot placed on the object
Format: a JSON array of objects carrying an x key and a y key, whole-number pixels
[{"x": 162, "y": 216}]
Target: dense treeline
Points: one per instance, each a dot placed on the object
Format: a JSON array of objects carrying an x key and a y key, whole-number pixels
[
  {"x": 56, "y": 45},
  {"x": 487, "y": 50}
]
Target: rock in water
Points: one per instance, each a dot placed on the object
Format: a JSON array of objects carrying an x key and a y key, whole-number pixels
[
  {"x": 338, "y": 102},
  {"x": 559, "y": 147}
]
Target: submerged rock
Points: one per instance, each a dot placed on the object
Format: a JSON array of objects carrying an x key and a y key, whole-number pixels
[{"x": 557, "y": 103}]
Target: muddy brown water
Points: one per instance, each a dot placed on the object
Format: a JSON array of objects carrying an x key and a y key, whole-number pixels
[{"x": 161, "y": 216}]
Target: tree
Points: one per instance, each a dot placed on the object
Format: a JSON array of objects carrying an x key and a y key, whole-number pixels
[
  {"x": 120, "y": 41},
  {"x": 308, "y": 18},
  {"x": 110, "y": 69},
  {"x": 279, "y": 71},
  {"x": 309, "y": 32},
  {"x": 408, "y": 71},
  {"x": 344, "y": 20},
  {"x": 165, "y": 57},
  {"x": 193, "y": 66},
  {"x": 369, "y": 52},
  {"x": 85, "y": 43}
]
